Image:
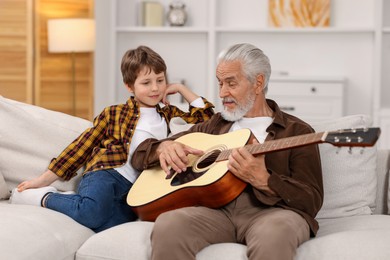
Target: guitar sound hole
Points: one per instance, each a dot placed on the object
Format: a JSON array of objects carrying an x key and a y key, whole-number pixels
[
  {"x": 208, "y": 160},
  {"x": 190, "y": 174}
]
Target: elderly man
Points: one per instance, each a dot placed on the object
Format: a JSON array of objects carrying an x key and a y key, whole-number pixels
[{"x": 275, "y": 213}]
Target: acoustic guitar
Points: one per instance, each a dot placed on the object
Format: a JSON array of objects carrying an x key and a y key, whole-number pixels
[{"x": 207, "y": 181}]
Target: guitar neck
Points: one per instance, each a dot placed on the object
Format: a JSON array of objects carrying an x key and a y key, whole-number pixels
[{"x": 279, "y": 144}]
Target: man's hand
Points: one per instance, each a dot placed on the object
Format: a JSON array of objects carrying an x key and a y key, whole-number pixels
[
  {"x": 174, "y": 154},
  {"x": 249, "y": 168}
]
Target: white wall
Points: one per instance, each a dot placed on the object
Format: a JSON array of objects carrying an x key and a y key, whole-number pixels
[
  {"x": 347, "y": 53},
  {"x": 102, "y": 56}
]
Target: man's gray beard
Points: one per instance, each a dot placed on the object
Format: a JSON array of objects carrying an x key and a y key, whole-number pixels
[{"x": 241, "y": 109}]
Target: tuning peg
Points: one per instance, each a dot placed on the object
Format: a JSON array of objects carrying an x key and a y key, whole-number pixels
[{"x": 350, "y": 150}]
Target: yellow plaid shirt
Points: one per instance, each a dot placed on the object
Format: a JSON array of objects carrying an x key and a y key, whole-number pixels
[{"x": 107, "y": 142}]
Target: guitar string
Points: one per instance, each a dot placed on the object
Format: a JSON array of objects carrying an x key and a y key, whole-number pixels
[{"x": 288, "y": 142}]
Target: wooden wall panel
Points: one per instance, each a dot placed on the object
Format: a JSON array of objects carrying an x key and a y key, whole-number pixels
[
  {"x": 53, "y": 73},
  {"x": 28, "y": 72},
  {"x": 16, "y": 48}
]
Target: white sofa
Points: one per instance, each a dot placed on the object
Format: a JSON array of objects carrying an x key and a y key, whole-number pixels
[{"x": 354, "y": 220}]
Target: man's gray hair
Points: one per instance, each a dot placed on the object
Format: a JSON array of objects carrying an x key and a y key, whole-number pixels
[{"x": 253, "y": 59}]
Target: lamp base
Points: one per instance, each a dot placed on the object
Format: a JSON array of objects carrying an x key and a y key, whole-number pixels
[{"x": 74, "y": 105}]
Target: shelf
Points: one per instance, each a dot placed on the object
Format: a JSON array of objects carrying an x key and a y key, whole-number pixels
[
  {"x": 141, "y": 29},
  {"x": 244, "y": 30},
  {"x": 295, "y": 30}
]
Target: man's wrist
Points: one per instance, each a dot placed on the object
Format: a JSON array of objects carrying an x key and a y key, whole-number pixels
[{"x": 263, "y": 185}]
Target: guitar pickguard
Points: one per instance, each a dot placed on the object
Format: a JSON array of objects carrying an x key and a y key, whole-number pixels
[{"x": 186, "y": 176}]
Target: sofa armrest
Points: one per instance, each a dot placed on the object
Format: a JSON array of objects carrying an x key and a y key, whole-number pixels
[
  {"x": 383, "y": 196},
  {"x": 31, "y": 137}
]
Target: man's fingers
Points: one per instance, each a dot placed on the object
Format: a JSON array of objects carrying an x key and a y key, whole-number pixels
[
  {"x": 176, "y": 156},
  {"x": 164, "y": 166},
  {"x": 194, "y": 151},
  {"x": 176, "y": 163}
]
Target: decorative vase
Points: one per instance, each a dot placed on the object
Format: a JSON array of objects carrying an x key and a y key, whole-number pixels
[{"x": 177, "y": 15}]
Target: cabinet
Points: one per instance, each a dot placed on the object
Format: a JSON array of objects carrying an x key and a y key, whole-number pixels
[
  {"x": 356, "y": 47},
  {"x": 311, "y": 99}
]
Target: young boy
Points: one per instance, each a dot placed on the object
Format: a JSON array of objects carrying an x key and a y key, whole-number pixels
[{"x": 107, "y": 147}]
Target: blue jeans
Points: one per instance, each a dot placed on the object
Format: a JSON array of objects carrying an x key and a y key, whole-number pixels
[{"x": 100, "y": 202}]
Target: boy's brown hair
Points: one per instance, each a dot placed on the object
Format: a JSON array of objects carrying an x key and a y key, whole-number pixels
[{"x": 133, "y": 61}]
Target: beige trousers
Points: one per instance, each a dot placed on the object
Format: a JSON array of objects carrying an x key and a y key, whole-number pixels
[{"x": 269, "y": 233}]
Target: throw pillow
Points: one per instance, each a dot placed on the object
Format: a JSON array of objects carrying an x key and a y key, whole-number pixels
[
  {"x": 388, "y": 198},
  {"x": 4, "y": 192},
  {"x": 30, "y": 137},
  {"x": 349, "y": 175}
]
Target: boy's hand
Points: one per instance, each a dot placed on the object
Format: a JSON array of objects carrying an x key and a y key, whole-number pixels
[
  {"x": 171, "y": 90},
  {"x": 43, "y": 180}
]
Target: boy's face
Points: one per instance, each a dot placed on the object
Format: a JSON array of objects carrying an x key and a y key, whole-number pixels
[{"x": 149, "y": 87}]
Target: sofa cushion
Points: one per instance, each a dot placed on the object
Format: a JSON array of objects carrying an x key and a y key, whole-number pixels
[
  {"x": 4, "y": 191},
  {"x": 30, "y": 137},
  {"x": 30, "y": 232},
  {"x": 349, "y": 175},
  {"x": 349, "y": 238},
  {"x": 132, "y": 241},
  {"x": 388, "y": 194},
  {"x": 383, "y": 192},
  {"x": 348, "y": 245},
  {"x": 223, "y": 251},
  {"x": 354, "y": 223}
]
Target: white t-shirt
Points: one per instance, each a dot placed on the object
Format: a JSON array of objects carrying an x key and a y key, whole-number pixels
[
  {"x": 150, "y": 125},
  {"x": 257, "y": 125}
]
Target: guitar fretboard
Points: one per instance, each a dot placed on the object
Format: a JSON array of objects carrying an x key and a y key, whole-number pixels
[{"x": 278, "y": 144}]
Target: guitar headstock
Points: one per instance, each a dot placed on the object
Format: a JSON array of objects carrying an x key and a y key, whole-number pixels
[{"x": 354, "y": 137}]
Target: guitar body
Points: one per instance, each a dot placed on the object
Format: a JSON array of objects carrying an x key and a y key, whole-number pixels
[{"x": 205, "y": 183}]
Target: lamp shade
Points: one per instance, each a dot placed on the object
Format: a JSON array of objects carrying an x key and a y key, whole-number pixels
[{"x": 71, "y": 35}]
